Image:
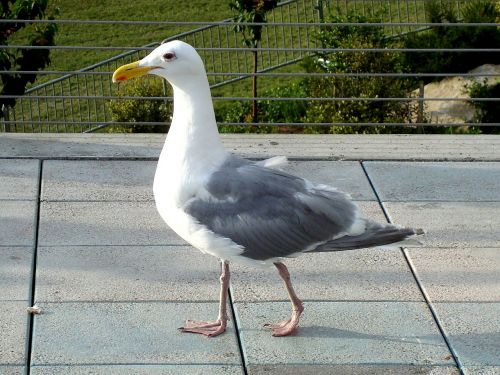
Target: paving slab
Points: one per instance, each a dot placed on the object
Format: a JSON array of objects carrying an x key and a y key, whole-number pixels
[
  {"x": 366, "y": 274},
  {"x": 481, "y": 370},
  {"x": 473, "y": 329},
  {"x": 357, "y": 369},
  {"x": 451, "y": 224},
  {"x": 459, "y": 274},
  {"x": 333, "y": 333},
  {"x": 101, "y": 180},
  {"x": 126, "y": 273},
  {"x": 13, "y": 328},
  {"x": 128, "y": 333},
  {"x": 431, "y": 181},
  {"x": 17, "y": 219},
  {"x": 19, "y": 178},
  {"x": 103, "y": 223},
  {"x": 138, "y": 370},
  {"x": 347, "y": 176},
  {"x": 15, "y": 272},
  {"x": 299, "y": 146},
  {"x": 12, "y": 370}
]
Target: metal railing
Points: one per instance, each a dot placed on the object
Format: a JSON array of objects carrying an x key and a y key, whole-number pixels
[{"x": 78, "y": 101}]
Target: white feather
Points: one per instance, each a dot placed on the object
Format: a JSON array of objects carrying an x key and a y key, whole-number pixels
[{"x": 276, "y": 162}]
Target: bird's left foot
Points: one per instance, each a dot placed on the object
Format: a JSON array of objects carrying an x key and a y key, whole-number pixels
[
  {"x": 209, "y": 329},
  {"x": 285, "y": 328},
  {"x": 288, "y": 327}
]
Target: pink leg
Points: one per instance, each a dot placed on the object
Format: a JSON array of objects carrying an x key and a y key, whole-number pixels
[
  {"x": 289, "y": 326},
  {"x": 212, "y": 329}
]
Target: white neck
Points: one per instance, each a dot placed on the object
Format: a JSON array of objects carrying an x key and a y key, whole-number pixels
[{"x": 193, "y": 137}]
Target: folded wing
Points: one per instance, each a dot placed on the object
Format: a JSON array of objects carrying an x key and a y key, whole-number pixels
[{"x": 271, "y": 213}]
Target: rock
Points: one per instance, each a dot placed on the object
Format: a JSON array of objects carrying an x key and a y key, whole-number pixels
[{"x": 445, "y": 112}]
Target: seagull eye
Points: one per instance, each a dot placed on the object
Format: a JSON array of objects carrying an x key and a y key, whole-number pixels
[{"x": 169, "y": 56}]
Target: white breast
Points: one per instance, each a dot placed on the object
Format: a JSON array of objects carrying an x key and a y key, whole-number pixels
[{"x": 172, "y": 188}]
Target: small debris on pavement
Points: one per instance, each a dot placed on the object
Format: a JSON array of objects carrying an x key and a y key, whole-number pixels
[{"x": 34, "y": 310}]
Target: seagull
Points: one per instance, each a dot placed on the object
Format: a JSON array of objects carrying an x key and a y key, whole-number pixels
[{"x": 239, "y": 210}]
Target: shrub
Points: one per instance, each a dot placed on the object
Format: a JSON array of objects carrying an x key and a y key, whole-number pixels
[
  {"x": 476, "y": 11},
  {"x": 287, "y": 110},
  {"x": 364, "y": 111},
  {"x": 27, "y": 34},
  {"x": 272, "y": 111},
  {"x": 486, "y": 111},
  {"x": 237, "y": 112},
  {"x": 140, "y": 110}
]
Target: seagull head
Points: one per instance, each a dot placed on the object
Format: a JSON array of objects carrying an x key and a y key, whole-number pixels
[{"x": 175, "y": 61}]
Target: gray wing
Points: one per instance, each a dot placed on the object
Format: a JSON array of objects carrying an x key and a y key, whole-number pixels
[{"x": 268, "y": 212}]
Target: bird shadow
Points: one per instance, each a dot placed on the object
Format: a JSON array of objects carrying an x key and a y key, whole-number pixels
[{"x": 315, "y": 331}]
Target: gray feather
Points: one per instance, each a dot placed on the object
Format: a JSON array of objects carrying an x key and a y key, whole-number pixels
[
  {"x": 268, "y": 212},
  {"x": 375, "y": 235}
]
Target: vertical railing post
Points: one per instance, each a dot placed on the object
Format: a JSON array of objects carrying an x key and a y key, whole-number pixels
[
  {"x": 420, "y": 112},
  {"x": 321, "y": 16},
  {"x": 319, "y": 8},
  {"x": 5, "y": 116}
]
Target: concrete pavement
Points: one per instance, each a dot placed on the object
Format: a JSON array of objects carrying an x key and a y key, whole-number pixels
[{"x": 80, "y": 237}]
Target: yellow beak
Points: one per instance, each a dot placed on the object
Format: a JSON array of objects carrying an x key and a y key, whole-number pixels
[{"x": 131, "y": 70}]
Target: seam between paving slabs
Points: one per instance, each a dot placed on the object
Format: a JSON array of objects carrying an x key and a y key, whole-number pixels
[
  {"x": 417, "y": 279},
  {"x": 142, "y": 364},
  {"x": 257, "y": 158},
  {"x": 237, "y": 331},
  {"x": 31, "y": 317}
]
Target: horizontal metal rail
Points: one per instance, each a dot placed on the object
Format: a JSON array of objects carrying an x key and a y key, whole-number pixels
[
  {"x": 266, "y": 74},
  {"x": 266, "y": 24},
  {"x": 263, "y": 49},
  {"x": 259, "y": 98},
  {"x": 222, "y": 123}
]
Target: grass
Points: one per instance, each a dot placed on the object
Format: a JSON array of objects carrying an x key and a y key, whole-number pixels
[{"x": 123, "y": 35}]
